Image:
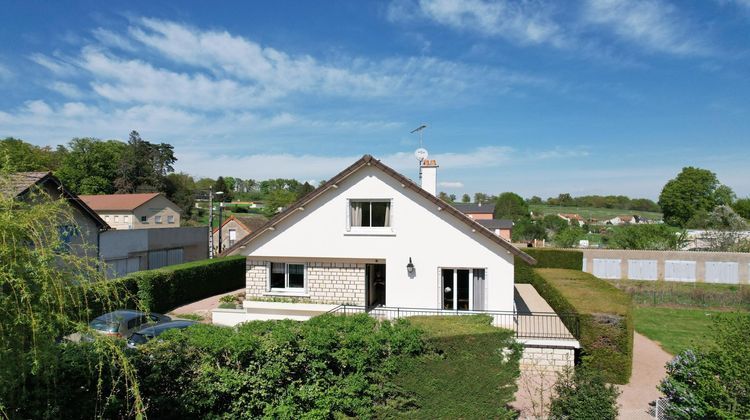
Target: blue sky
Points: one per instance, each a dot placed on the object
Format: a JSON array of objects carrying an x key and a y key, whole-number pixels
[{"x": 538, "y": 97}]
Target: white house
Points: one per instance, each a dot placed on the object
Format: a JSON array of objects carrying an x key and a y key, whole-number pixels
[{"x": 372, "y": 237}]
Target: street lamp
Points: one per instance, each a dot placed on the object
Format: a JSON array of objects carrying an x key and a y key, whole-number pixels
[{"x": 221, "y": 206}]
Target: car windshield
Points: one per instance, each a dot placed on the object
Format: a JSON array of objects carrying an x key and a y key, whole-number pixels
[
  {"x": 138, "y": 338},
  {"x": 106, "y": 326}
]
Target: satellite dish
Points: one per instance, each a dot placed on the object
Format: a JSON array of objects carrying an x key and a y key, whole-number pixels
[{"x": 421, "y": 154}]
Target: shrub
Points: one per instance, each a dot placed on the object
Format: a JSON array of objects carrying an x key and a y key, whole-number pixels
[
  {"x": 583, "y": 394},
  {"x": 604, "y": 315},
  {"x": 330, "y": 366},
  {"x": 712, "y": 382},
  {"x": 166, "y": 288}
]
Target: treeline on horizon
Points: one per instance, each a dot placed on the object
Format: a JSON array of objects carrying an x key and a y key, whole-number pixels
[
  {"x": 93, "y": 166},
  {"x": 90, "y": 166}
]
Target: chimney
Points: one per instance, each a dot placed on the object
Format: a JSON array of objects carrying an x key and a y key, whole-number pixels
[{"x": 428, "y": 173}]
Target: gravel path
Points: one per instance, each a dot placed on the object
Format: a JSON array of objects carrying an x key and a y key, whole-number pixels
[{"x": 649, "y": 362}]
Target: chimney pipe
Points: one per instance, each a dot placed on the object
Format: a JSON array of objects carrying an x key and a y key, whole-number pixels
[{"x": 429, "y": 176}]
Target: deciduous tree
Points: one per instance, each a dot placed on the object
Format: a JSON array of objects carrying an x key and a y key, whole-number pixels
[
  {"x": 510, "y": 206},
  {"x": 692, "y": 191},
  {"x": 90, "y": 165}
]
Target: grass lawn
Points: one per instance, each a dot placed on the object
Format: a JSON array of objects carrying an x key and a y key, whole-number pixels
[
  {"x": 470, "y": 377},
  {"x": 589, "y": 212},
  {"x": 676, "y": 329}
]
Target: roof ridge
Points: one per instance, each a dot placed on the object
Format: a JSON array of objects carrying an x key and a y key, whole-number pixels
[{"x": 368, "y": 160}]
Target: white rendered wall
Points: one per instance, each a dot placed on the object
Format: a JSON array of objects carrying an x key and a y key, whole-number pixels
[{"x": 432, "y": 238}]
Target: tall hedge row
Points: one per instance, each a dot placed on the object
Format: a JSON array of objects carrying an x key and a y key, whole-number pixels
[
  {"x": 547, "y": 258},
  {"x": 605, "y": 319},
  {"x": 164, "y": 289}
]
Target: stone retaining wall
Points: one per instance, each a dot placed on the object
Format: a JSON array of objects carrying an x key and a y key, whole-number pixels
[{"x": 547, "y": 358}]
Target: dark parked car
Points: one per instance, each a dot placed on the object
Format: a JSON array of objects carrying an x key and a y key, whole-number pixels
[
  {"x": 145, "y": 334},
  {"x": 124, "y": 323}
]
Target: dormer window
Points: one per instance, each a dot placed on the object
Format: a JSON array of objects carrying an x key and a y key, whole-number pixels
[{"x": 370, "y": 213}]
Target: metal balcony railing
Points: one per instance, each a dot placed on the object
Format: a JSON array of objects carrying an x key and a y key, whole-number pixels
[{"x": 530, "y": 325}]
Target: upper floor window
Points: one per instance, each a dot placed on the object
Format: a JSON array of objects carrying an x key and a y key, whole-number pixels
[
  {"x": 144, "y": 219},
  {"x": 117, "y": 219},
  {"x": 170, "y": 219},
  {"x": 126, "y": 218},
  {"x": 374, "y": 213},
  {"x": 157, "y": 219}
]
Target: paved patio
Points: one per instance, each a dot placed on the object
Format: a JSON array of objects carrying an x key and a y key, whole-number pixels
[{"x": 204, "y": 307}]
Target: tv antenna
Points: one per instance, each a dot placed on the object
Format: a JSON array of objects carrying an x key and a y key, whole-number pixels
[{"x": 421, "y": 153}]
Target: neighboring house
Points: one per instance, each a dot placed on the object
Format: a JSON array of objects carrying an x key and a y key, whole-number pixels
[
  {"x": 135, "y": 211},
  {"x": 371, "y": 237},
  {"x": 235, "y": 228},
  {"x": 627, "y": 220},
  {"x": 476, "y": 211},
  {"x": 572, "y": 218},
  {"x": 500, "y": 227},
  {"x": 82, "y": 234}
]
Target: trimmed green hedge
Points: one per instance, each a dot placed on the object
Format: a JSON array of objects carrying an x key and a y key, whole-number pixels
[
  {"x": 604, "y": 315},
  {"x": 547, "y": 258},
  {"x": 164, "y": 289}
]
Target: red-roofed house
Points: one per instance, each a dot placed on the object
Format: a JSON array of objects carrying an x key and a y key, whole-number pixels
[{"x": 135, "y": 211}]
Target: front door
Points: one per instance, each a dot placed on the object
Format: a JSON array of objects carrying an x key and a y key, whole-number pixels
[
  {"x": 462, "y": 289},
  {"x": 375, "y": 285}
]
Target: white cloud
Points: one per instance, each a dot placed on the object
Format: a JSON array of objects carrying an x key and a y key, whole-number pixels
[
  {"x": 314, "y": 166},
  {"x": 57, "y": 66},
  {"x": 112, "y": 39},
  {"x": 523, "y": 22},
  {"x": 451, "y": 184},
  {"x": 652, "y": 24},
  {"x": 66, "y": 89}
]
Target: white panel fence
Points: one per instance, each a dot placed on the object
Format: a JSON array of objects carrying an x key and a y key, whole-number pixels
[{"x": 682, "y": 266}]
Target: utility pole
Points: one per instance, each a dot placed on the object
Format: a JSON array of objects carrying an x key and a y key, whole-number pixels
[
  {"x": 210, "y": 222},
  {"x": 221, "y": 207}
]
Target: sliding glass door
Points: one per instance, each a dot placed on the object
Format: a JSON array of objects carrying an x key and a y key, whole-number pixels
[{"x": 459, "y": 288}]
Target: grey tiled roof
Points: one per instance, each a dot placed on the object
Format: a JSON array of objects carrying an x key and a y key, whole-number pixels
[
  {"x": 496, "y": 223},
  {"x": 475, "y": 207},
  {"x": 22, "y": 181}
]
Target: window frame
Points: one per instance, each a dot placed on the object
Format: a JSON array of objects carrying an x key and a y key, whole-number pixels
[
  {"x": 369, "y": 229},
  {"x": 157, "y": 219},
  {"x": 287, "y": 288},
  {"x": 170, "y": 219}
]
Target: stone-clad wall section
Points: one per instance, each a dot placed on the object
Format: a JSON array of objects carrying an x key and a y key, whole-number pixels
[
  {"x": 547, "y": 358},
  {"x": 327, "y": 282}
]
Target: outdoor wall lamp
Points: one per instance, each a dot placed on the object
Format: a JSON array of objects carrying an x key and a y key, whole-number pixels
[{"x": 410, "y": 267}]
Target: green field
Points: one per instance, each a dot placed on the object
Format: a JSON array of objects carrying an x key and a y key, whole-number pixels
[
  {"x": 687, "y": 295},
  {"x": 589, "y": 212},
  {"x": 676, "y": 329},
  {"x": 469, "y": 377},
  {"x": 225, "y": 213}
]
